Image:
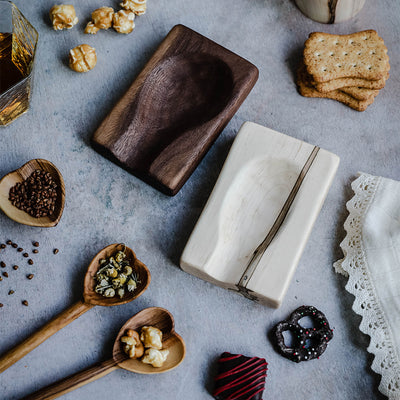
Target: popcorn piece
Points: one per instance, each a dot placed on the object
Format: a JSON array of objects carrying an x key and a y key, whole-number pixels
[
  {"x": 155, "y": 357},
  {"x": 151, "y": 337},
  {"x": 63, "y": 16},
  {"x": 123, "y": 21},
  {"x": 91, "y": 28},
  {"x": 82, "y": 58},
  {"x": 137, "y": 6},
  {"x": 102, "y": 17},
  {"x": 133, "y": 346}
]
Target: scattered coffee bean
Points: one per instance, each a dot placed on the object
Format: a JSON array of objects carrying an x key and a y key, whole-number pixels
[
  {"x": 5, "y": 274},
  {"x": 2, "y": 246},
  {"x": 2, "y": 264},
  {"x": 25, "y": 303},
  {"x": 30, "y": 261},
  {"x": 36, "y": 195},
  {"x": 55, "y": 251},
  {"x": 9, "y": 242},
  {"x": 1, "y": 305},
  {"x": 20, "y": 249},
  {"x": 15, "y": 267},
  {"x": 36, "y": 244},
  {"x": 30, "y": 276},
  {"x": 11, "y": 292},
  {"x": 35, "y": 251},
  {"x": 14, "y": 245},
  {"x": 25, "y": 255},
  {"x": 1, "y": 278}
]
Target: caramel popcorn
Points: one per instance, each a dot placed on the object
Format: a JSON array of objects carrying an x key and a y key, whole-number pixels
[
  {"x": 102, "y": 17},
  {"x": 91, "y": 28},
  {"x": 82, "y": 58},
  {"x": 155, "y": 357},
  {"x": 151, "y": 337},
  {"x": 63, "y": 16},
  {"x": 137, "y": 6},
  {"x": 123, "y": 21}
]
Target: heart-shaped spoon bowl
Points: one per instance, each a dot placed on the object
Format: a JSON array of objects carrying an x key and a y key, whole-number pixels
[
  {"x": 163, "y": 320},
  {"x": 20, "y": 175},
  {"x": 144, "y": 277}
]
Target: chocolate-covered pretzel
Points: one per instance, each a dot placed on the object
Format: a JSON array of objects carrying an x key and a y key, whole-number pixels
[{"x": 307, "y": 343}]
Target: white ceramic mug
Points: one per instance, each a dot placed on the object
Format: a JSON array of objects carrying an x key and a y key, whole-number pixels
[{"x": 330, "y": 11}]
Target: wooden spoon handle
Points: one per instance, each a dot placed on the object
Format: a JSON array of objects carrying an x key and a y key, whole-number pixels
[
  {"x": 74, "y": 381},
  {"x": 63, "y": 319}
]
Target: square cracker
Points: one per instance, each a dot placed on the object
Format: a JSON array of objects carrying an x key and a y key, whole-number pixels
[
  {"x": 358, "y": 55},
  {"x": 359, "y": 93},
  {"x": 306, "y": 89},
  {"x": 346, "y": 82}
]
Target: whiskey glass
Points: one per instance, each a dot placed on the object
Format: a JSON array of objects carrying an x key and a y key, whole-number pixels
[{"x": 18, "y": 42}]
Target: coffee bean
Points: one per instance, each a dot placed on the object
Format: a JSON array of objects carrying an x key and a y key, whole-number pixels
[
  {"x": 2, "y": 264},
  {"x": 30, "y": 261},
  {"x": 36, "y": 195},
  {"x": 1, "y": 305},
  {"x": 2, "y": 246},
  {"x": 26, "y": 255},
  {"x": 9, "y": 242},
  {"x": 36, "y": 244},
  {"x": 25, "y": 303},
  {"x": 35, "y": 251},
  {"x": 11, "y": 292},
  {"x": 55, "y": 251},
  {"x": 15, "y": 267},
  {"x": 20, "y": 249},
  {"x": 30, "y": 276},
  {"x": 14, "y": 245},
  {"x": 5, "y": 274}
]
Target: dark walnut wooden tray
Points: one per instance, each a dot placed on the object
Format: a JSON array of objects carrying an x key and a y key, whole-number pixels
[{"x": 175, "y": 109}]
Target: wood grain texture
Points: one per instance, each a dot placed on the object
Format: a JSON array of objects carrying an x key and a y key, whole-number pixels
[
  {"x": 153, "y": 316},
  {"x": 75, "y": 381},
  {"x": 171, "y": 341},
  {"x": 175, "y": 109},
  {"x": 57, "y": 323},
  {"x": 91, "y": 299},
  {"x": 261, "y": 173},
  {"x": 20, "y": 175}
]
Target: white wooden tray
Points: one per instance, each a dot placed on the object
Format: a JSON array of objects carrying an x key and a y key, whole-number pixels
[{"x": 254, "y": 227}]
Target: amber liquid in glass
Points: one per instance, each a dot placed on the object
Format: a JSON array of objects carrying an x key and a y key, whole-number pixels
[{"x": 12, "y": 79}]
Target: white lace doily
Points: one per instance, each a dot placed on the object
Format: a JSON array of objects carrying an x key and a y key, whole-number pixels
[{"x": 371, "y": 261}]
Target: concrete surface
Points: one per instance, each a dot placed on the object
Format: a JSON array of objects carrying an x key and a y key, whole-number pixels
[{"x": 105, "y": 204}]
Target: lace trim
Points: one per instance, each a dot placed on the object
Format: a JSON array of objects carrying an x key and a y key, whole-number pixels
[{"x": 366, "y": 304}]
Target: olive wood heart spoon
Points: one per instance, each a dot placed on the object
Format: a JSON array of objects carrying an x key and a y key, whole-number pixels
[
  {"x": 19, "y": 175},
  {"x": 154, "y": 316},
  {"x": 90, "y": 299}
]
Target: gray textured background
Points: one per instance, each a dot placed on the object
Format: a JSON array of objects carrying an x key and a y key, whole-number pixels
[{"x": 105, "y": 204}]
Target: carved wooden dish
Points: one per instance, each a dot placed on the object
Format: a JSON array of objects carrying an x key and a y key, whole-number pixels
[
  {"x": 175, "y": 109},
  {"x": 90, "y": 299},
  {"x": 20, "y": 175},
  {"x": 153, "y": 316}
]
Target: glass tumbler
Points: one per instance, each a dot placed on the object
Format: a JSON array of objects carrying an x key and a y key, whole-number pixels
[{"x": 18, "y": 40}]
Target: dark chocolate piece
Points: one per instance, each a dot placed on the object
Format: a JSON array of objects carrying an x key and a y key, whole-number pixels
[
  {"x": 307, "y": 343},
  {"x": 240, "y": 377},
  {"x": 173, "y": 112}
]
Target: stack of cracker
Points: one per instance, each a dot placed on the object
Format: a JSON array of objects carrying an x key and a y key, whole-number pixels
[{"x": 347, "y": 68}]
